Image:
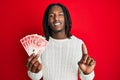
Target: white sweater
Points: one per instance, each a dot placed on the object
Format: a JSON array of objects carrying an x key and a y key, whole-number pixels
[{"x": 60, "y": 61}]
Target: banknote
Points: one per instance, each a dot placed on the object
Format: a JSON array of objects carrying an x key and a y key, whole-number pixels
[{"x": 34, "y": 43}]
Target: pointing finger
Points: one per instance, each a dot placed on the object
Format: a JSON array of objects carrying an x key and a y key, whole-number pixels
[{"x": 84, "y": 49}]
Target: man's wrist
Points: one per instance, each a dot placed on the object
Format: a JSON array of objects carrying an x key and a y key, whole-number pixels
[{"x": 87, "y": 73}]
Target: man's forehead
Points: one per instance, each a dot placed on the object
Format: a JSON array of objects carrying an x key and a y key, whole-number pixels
[{"x": 55, "y": 8}]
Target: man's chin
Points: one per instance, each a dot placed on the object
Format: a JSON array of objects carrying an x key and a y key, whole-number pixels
[{"x": 57, "y": 31}]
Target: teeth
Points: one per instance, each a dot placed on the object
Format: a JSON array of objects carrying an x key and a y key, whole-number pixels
[{"x": 57, "y": 23}]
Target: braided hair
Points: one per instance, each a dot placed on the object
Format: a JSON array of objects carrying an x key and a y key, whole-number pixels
[{"x": 68, "y": 23}]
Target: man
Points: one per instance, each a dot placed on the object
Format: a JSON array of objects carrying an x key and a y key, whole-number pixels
[{"x": 66, "y": 55}]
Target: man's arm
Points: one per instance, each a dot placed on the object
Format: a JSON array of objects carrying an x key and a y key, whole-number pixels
[
  {"x": 34, "y": 67},
  {"x": 86, "y": 65}
]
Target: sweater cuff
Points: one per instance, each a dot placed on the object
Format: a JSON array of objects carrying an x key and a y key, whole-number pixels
[
  {"x": 87, "y": 77},
  {"x": 35, "y": 76}
]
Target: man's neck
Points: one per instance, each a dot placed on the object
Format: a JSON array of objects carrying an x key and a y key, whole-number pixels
[{"x": 59, "y": 35}]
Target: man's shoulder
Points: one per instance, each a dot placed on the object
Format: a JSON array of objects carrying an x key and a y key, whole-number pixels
[{"x": 74, "y": 38}]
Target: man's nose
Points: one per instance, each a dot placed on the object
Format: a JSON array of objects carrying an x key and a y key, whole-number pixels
[{"x": 56, "y": 17}]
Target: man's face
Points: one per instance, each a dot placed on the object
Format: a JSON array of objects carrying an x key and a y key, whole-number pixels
[{"x": 56, "y": 19}]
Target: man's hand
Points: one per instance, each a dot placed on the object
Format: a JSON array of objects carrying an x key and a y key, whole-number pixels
[
  {"x": 87, "y": 64},
  {"x": 33, "y": 64}
]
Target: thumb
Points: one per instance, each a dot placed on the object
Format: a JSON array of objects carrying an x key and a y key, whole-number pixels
[{"x": 84, "y": 49}]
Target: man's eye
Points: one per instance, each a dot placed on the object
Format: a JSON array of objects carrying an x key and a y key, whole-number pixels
[
  {"x": 60, "y": 14},
  {"x": 51, "y": 15}
]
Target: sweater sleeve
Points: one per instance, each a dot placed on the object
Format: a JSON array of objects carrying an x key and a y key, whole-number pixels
[
  {"x": 87, "y": 77},
  {"x": 35, "y": 76}
]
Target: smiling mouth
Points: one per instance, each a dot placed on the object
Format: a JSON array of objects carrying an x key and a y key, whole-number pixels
[{"x": 57, "y": 23}]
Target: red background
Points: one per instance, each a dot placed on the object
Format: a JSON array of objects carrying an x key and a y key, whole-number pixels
[{"x": 96, "y": 22}]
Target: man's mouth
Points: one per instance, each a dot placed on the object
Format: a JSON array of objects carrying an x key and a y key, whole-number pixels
[{"x": 57, "y": 23}]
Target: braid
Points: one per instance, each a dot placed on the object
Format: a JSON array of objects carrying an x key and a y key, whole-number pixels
[{"x": 68, "y": 22}]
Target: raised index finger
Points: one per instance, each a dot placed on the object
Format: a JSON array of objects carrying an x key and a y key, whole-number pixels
[{"x": 84, "y": 49}]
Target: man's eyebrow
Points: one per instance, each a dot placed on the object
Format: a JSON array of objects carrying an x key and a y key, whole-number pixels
[
  {"x": 53, "y": 12},
  {"x": 61, "y": 12}
]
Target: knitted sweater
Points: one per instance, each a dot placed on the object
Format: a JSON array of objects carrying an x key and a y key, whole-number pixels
[{"x": 60, "y": 61}]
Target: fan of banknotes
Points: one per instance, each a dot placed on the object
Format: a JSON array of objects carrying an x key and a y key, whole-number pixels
[{"x": 34, "y": 43}]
